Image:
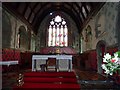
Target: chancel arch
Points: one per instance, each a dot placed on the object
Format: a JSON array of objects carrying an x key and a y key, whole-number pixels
[{"x": 72, "y": 35}]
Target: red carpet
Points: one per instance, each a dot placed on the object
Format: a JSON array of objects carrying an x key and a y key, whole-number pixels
[
  {"x": 48, "y": 86},
  {"x": 50, "y": 74},
  {"x": 49, "y": 81}
]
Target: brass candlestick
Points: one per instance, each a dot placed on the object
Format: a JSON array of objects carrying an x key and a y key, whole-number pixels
[
  {"x": 58, "y": 51},
  {"x": 20, "y": 81}
]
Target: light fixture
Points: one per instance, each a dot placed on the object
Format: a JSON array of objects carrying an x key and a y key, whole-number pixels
[{"x": 51, "y": 13}]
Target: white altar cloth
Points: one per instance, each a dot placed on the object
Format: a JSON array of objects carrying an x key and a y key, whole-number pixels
[
  {"x": 58, "y": 57},
  {"x": 8, "y": 63}
]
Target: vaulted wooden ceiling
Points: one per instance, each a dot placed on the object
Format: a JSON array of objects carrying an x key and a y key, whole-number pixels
[{"x": 34, "y": 12}]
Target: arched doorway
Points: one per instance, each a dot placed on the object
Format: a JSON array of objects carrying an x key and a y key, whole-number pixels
[{"x": 101, "y": 49}]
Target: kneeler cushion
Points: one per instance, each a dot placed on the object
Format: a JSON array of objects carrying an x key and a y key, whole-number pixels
[
  {"x": 49, "y": 80},
  {"x": 50, "y": 74},
  {"x": 47, "y": 86}
]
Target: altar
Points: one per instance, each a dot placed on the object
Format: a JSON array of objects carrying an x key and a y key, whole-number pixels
[{"x": 64, "y": 62}]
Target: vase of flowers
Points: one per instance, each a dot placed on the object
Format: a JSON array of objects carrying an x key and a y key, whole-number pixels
[{"x": 111, "y": 64}]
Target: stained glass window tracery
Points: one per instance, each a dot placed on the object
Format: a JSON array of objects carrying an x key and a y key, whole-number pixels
[{"x": 57, "y": 32}]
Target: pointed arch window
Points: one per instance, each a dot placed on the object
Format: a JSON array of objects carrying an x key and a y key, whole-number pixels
[{"x": 57, "y": 32}]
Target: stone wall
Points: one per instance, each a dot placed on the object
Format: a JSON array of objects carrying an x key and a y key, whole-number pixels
[
  {"x": 15, "y": 33},
  {"x": 103, "y": 27}
]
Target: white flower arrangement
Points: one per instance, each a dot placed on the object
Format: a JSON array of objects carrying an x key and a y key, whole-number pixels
[{"x": 111, "y": 64}]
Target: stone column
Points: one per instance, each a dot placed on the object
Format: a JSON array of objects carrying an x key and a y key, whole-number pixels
[{"x": 118, "y": 26}]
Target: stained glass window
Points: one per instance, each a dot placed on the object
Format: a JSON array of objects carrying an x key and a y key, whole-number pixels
[{"x": 57, "y": 32}]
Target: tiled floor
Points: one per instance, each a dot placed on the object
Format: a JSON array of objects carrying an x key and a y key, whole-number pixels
[{"x": 87, "y": 79}]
